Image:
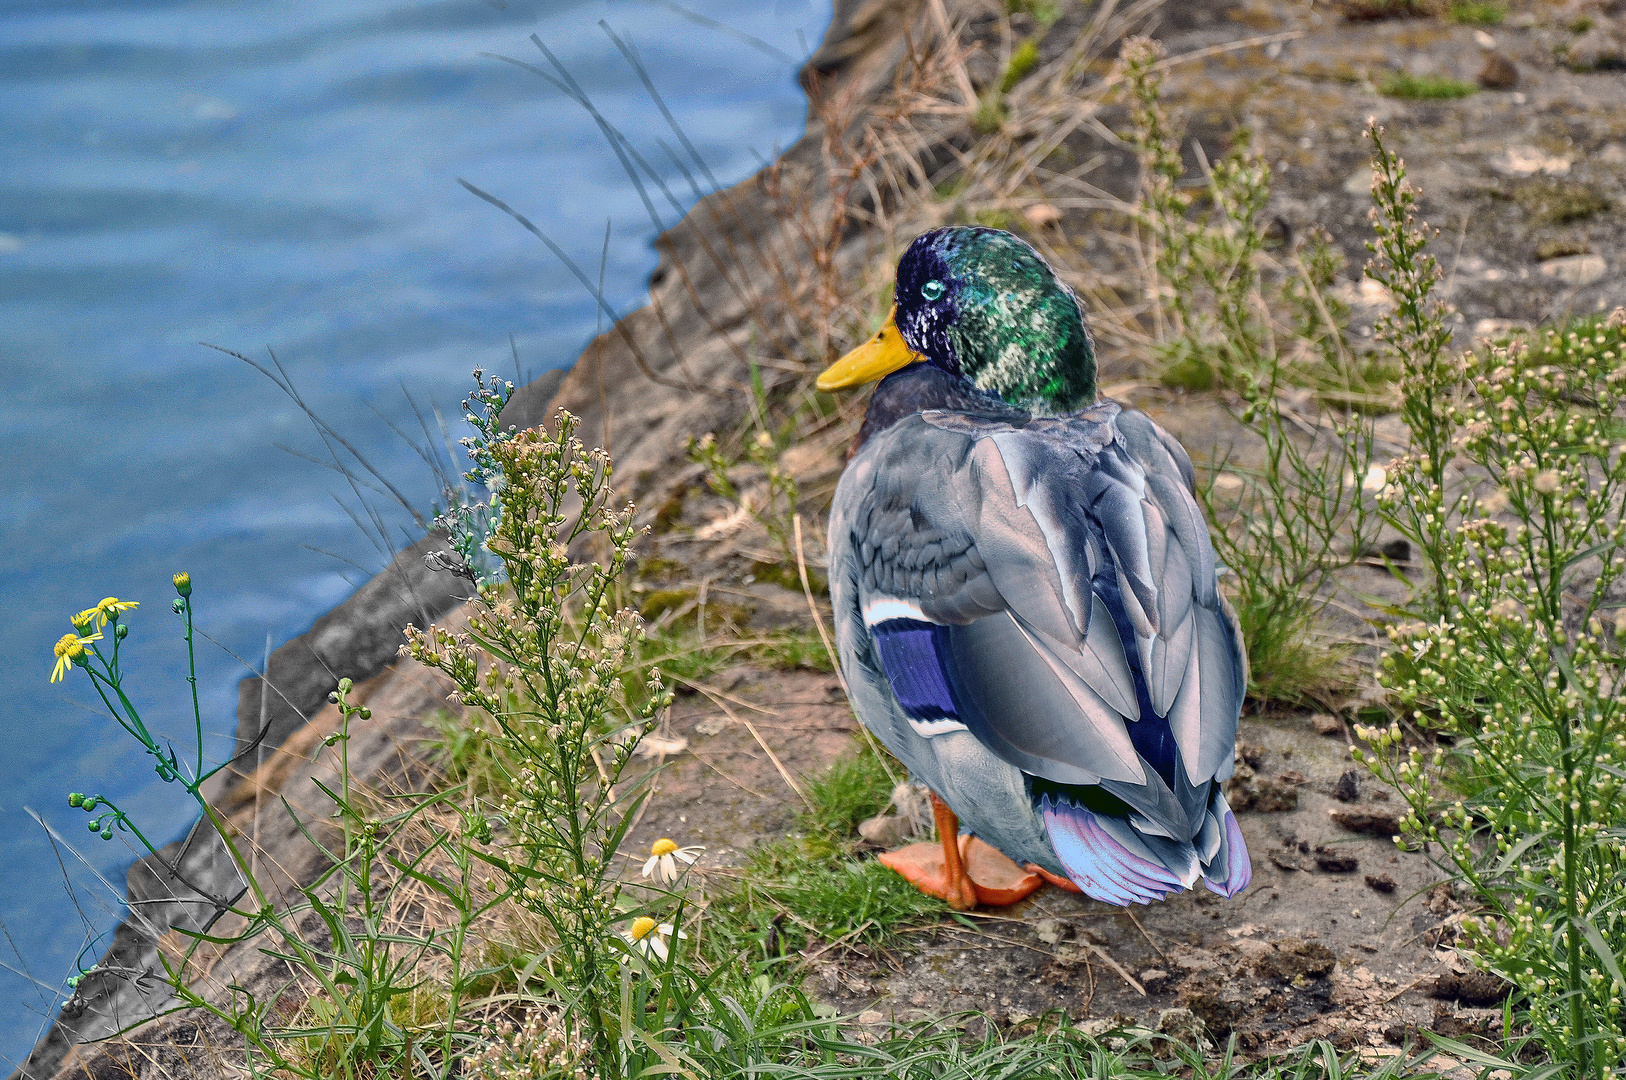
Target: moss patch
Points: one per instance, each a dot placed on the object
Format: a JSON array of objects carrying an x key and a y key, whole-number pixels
[
  {"x": 787, "y": 577},
  {"x": 990, "y": 115},
  {"x": 1557, "y": 202},
  {"x": 650, "y": 568},
  {"x": 1558, "y": 249},
  {"x": 995, "y": 219},
  {"x": 1478, "y": 12},
  {"x": 1023, "y": 61},
  {"x": 1403, "y": 84},
  {"x": 669, "y": 515},
  {"x": 661, "y": 601}
]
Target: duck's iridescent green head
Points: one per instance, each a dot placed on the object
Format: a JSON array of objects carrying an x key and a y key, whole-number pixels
[{"x": 982, "y": 304}]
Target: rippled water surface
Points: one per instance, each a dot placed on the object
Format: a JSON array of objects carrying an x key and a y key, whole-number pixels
[{"x": 280, "y": 178}]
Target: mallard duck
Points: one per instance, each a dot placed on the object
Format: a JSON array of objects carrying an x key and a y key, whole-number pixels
[{"x": 1024, "y": 594}]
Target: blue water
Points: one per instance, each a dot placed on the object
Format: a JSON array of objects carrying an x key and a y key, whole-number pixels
[{"x": 276, "y": 177}]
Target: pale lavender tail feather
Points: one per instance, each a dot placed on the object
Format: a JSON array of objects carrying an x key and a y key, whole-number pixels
[
  {"x": 1099, "y": 864},
  {"x": 1238, "y": 869}
]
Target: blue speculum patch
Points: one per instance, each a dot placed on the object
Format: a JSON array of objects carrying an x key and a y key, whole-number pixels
[{"x": 914, "y": 656}]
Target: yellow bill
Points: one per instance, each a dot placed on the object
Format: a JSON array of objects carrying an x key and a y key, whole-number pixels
[{"x": 880, "y": 355}]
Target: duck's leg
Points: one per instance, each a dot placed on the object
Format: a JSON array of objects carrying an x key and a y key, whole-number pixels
[
  {"x": 962, "y": 894},
  {"x": 937, "y": 869},
  {"x": 960, "y": 869}
]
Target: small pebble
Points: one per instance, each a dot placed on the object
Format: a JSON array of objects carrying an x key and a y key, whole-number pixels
[
  {"x": 1499, "y": 72},
  {"x": 1042, "y": 214},
  {"x": 1049, "y": 931}
]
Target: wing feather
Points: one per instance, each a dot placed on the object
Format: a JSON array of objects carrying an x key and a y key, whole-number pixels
[
  {"x": 1013, "y": 694},
  {"x": 1223, "y": 684},
  {"x": 1183, "y": 516},
  {"x": 1169, "y": 670},
  {"x": 1099, "y": 660}
]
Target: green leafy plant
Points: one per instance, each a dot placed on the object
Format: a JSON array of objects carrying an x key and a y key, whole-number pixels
[
  {"x": 853, "y": 788},
  {"x": 542, "y": 659},
  {"x": 1204, "y": 264},
  {"x": 1509, "y": 660},
  {"x": 763, "y": 449},
  {"x": 824, "y": 895},
  {"x": 1518, "y": 678},
  {"x": 1416, "y": 334}
]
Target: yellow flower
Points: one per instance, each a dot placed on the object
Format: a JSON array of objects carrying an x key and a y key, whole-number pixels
[
  {"x": 103, "y": 613},
  {"x": 69, "y": 648},
  {"x": 646, "y": 937},
  {"x": 664, "y": 855}
]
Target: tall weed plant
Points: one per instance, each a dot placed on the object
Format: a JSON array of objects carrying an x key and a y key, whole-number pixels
[
  {"x": 543, "y": 658},
  {"x": 1507, "y": 657},
  {"x": 1290, "y": 511},
  {"x": 1509, "y": 663}
]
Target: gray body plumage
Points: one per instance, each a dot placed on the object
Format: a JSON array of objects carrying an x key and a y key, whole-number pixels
[{"x": 1071, "y": 574}]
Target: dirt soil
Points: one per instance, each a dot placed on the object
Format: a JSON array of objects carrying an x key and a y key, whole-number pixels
[
  {"x": 1338, "y": 936},
  {"x": 1525, "y": 179}
]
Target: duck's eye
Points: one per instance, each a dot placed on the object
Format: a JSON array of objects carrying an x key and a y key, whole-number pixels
[{"x": 932, "y": 290}]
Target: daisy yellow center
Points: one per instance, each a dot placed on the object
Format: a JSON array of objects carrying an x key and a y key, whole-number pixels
[
  {"x": 70, "y": 646},
  {"x": 662, "y": 846},
  {"x": 642, "y": 927}
]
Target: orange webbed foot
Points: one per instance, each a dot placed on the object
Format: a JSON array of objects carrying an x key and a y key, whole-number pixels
[
  {"x": 993, "y": 879},
  {"x": 923, "y": 866},
  {"x": 998, "y": 881},
  {"x": 1058, "y": 882},
  {"x": 962, "y": 870}
]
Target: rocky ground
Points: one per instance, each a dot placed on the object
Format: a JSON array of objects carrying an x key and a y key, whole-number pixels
[{"x": 1525, "y": 178}]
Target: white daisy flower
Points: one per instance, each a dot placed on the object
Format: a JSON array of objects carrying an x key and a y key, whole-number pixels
[
  {"x": 647, "y": 937},
  {"x": 664, "y": 856}
]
